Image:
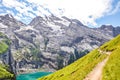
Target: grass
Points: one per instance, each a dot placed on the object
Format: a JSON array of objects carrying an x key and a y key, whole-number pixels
[
  {"x": 3, "y": 47},
  {"x": 79, "y": 69},
  {"x": 111, "y": 70},
  {"x": 111, "y": 45},
  {"x": 4, "y": 43},
  {"x": 4, "y": 74}
]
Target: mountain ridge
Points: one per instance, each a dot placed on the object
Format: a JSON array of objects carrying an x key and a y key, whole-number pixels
[{"x": 48, "y": 40}]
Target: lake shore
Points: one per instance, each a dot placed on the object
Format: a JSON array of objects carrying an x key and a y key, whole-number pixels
[
  {"x": 32, "y": 76},
  {"x": 29, "y": 70}
]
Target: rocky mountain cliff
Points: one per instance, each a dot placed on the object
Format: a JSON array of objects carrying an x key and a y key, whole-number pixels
[
  {"x": 7, "y": 63},
  {"x": 109, "y": 29},
  {"x": 47, "y": 42}
]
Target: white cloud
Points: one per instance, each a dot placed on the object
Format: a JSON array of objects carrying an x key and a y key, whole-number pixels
[
  {"x": 23, "y": 10},
  {"x": 87, "y": 11},
  {"x": 116, "y": 9},
  {"x": 12, "y": 3},
  {"x": 80, "y": 9},
  {"x": 10, "y": 12}
]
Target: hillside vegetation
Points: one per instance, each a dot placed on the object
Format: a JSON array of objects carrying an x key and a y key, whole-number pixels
[
  {"x": 80, "y": 68},
  {"x": 3, "y": 47},
  {"x": 112, "y": 69},
  {"x": 4, "y": 73}
]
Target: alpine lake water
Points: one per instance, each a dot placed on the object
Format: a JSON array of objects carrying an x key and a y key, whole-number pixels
[{"x": 32, "y": 76}]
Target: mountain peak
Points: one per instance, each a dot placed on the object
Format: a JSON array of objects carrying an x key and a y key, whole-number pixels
[
  {"x": 109, "y": 27},
  {"x": 77, "y": 21},
  {"x": 36, "y": 20},
  {"x": 9, "y": 16},
  {"x": 10, "y": 21}
]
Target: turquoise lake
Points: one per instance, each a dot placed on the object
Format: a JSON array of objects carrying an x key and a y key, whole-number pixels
[{"x": 32, "y": 76}]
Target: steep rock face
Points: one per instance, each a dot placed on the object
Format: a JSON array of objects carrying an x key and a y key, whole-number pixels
[
  {"x": 49, "y": 40},
  {"x": 8, "y": 24},
  {"x": 7, "y": 59},
  {"x": 6, "y": 56},
  {"x": 68, "y": 33},
  {"x": 117, "y": 31},
  {"x": 63, "y": 36},
  {"x": 109, "y": 30},
  {"x": 7, "y": 63},
  {"x": 10, "y": 21}
]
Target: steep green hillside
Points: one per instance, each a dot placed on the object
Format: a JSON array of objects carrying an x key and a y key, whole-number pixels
[
  {"x": 4, "y": 74},
  {"x": 112, "y": 69},
  {"x": 80, "y": 68}
]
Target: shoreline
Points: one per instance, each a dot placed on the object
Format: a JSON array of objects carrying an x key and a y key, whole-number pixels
[
  {"x": 28, "y": 71},
  {"x": 25, "y": 71},
  {"x": 32, "y": 76}
]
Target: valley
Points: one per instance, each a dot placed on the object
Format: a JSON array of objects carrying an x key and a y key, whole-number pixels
[{"x": 51, "y": 44}]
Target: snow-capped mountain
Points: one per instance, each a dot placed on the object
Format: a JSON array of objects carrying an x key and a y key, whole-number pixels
[{"x": 49, "y": 39}]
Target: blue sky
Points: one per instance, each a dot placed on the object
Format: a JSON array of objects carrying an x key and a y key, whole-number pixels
[
  {"x": 92, "y": 13},
  {"x": 113, "y": 18}
]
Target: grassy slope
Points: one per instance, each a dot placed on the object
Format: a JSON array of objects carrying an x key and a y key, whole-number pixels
[
  {"x": 4, "y": 74},
  {"x": 3, "y": 47},
  {"x": 112, "y": 69},
  {"x": 79, "y": 69}
]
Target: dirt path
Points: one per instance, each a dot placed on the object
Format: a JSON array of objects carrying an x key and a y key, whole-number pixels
[{"x": 96, "y": 73}]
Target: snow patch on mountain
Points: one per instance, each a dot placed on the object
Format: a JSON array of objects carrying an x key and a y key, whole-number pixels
[
  {"x": 25, "y": 28},
  {"x": 3, "y": 26},
  {"x": 64, "y": 21},
  {"x": 54, "y": 27},
  {"x": 67, "y": 49}
]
